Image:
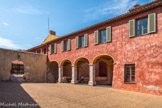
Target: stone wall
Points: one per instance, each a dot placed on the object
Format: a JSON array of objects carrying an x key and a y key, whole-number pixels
[{"x": 34, "y": 64}]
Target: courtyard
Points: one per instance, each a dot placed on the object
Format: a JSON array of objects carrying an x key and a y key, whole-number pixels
[{"x": 64, "y": 95}]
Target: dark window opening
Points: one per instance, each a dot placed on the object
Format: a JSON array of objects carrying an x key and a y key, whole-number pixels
[
  {"x": 82, "y": 41},
  {"x": 66, "y": 45},
  {"x": 17, "y": 69},
  {"x": 44, "y": 51}
]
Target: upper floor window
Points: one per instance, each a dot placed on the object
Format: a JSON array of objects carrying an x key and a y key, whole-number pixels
[
  {"x": 66, "y": 45},
  {"x": 103, "y": 36},
  {"x": 82, "y": 41},
  {"x": 141, "y": 26},
  {"x": 44, "y": 50},
  {"x": 129, "y": 73}
]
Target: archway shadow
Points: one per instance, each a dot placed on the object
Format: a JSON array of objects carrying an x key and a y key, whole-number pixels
[{"x": 12, "y": 94}]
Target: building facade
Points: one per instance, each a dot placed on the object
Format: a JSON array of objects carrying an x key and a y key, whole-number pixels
[{"x": 124, "y": 52}]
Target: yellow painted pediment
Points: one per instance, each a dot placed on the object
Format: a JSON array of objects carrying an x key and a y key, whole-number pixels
[{"x": 49, "y": 38}]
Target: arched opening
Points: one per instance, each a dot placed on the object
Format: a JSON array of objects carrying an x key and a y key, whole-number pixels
[
  {"x": 82, "y": 70},
  {"x": 52, "y": 74},
  {"x": 17, "y": 71},
  {"x": 103, "y": 70},
  {"x": 67, "y": 71}
]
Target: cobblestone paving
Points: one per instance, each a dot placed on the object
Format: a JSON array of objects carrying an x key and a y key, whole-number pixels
[{"x": 50, "y": 95}]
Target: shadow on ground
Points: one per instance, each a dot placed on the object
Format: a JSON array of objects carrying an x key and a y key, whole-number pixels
[{"x": 14, "y": 95}]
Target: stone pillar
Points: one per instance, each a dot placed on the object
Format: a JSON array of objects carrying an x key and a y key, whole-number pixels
[
  {"x": 109, "y": 74},
  {"x": 74, "y": 75},
  {"x": 60, "y": 74},
  {"x": 92, "y": 75}
]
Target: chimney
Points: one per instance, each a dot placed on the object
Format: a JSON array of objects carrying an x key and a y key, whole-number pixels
[
  {"x": 52, "y": 32},
  {"x": 137, "y": 5}
]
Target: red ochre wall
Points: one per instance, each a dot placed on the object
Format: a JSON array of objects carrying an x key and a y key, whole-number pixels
[{"x": 143, "y": 51}]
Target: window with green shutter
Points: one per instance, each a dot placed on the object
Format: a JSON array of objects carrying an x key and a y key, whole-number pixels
[
  {"x": 55, "y": 48},
  {"x": 108, "y": 34},
  {"x": 62, "y": 46},
  {"x": 77, "y": 42},
  {"x": 50, "y": 52},
  {"x": 85, "y": 40},
  {"x": 68, "y": 44},
  {"x": 41, "y": 51},
  {"x": 152, "y": 22},
  {"x": 96, "y": 37},
  {"x": 132, "y": 28}
]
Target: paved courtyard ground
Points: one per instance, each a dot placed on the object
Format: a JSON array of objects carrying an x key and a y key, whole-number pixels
[{"x": 53, "y": 95}]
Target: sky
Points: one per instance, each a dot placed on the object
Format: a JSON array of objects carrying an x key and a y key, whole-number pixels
[{"x": 24, "y": 23}]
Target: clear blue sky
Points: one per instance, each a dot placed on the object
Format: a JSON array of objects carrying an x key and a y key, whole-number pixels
[{"x": 24, "y": 23}]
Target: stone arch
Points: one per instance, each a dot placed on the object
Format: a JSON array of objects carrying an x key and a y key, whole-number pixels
[
  {"x": 52, "y": 72},
  {"x": 103, "y": 69},
  {"x": 78, "y": 59},
  {"x": 67, "y": 70},
  {"x": 82, "y": 65}
]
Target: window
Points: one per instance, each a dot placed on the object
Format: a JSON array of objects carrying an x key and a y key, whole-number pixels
[
  {"x": 52, "y": 49},
  {"x": 141, "y": 26},
  {"x": 44, "y": 50},
  {"x": 103, "y": 36},
  {"x": 129, "y": 73},
  {"x": 66, "y": 45},
  {"x": 82, "y": 41},
  {"x": 17, "y": 69}
]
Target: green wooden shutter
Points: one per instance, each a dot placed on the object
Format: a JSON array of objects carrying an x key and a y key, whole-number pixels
[
  {"x": 76, "y": 42},
  {"x": 69, "y": 44},
  {"x": 96, "y": 37},
  {"x": 108, "y": 34},
  {"x": 85, "y": 40},
  {"x": 50, "y": 52},
  {"x": 41, "y": 50},
  {"x": 152, "y": 23},
  {"x": 132, "y": 28},
  {"x": 62, "y": 46},
  {"x": 55, "y": 48}
]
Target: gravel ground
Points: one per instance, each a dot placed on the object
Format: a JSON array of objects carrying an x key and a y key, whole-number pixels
[{"x": 55, "y": 95}]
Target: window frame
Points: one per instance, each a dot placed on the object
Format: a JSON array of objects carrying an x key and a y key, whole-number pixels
[
  {"x": 104, "y": 36},
  {"x": 142, "y": 27},
  {"x": 81, "y": 43},
  {"x": 66, "y": 45},
  {"x": 130, "y": 73}
]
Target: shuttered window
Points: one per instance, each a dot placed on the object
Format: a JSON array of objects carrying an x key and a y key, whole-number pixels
[
  {"x": 152, "y": 22},
  {"x": 77, "y": 42},
  {"x": 85, "y": 40},
  {"x": 108, "y": 34},
  {"x": 132, "y": 28},
  {"x": 96, "y": 37},
  {"x": 68, "y": 44},
  {"x": 50, "y": 49},
  {"x": 62, "y": 46},
  {"x": 41, "y": 51},
  {"x": 55, "y": 48},
  {"x": 142, "y": 26},
  {"x": 129, "y": 70}
]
